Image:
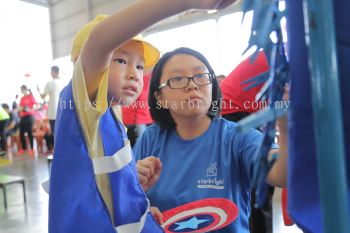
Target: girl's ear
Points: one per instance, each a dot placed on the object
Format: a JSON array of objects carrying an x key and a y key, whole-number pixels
[{"x": 159, "y": 98}]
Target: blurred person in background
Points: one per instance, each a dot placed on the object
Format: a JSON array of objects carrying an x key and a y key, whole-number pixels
[
  {"x": 26, "y": 113},
  {"x": 4, "y": 119},
  {"x": 12, "y": 127},
  {"x": 220, "y": 78},
  {"x": 52, "y": 89}
]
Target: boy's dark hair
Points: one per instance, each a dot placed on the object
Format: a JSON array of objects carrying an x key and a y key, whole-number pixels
[
  {"x": 55, "y": 69},
  {"x": 162, "y": 116},
  {"x": 5, "y": 106}
]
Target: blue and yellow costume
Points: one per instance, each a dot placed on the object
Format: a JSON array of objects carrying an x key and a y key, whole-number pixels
[{"x": 94, "y": 184}]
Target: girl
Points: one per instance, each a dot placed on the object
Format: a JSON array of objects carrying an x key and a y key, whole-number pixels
[
  {"x": 200, "y": 155},
  {"x": 27, "y": 105}
]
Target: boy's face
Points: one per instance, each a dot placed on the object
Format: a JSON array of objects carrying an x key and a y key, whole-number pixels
[
  {"x": 54, "y": 74},
  {"x": 126, "y": 73}
]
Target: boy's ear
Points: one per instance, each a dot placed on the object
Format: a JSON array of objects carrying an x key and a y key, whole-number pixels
[{"x": 159, "y": 98}]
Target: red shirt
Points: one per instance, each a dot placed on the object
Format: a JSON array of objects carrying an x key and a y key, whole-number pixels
[
  {"x": 27, "y": 102},
  {"x": 235, "y": 99},
  {"x": 138, "y": 112}
]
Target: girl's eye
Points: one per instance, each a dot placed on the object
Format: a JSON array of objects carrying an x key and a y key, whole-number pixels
[
  {"x": 178, "y": 79},
  {"x": 120, "y": 61},
  {"x": 201, "y": 75},
  {"x": 139, "y": 67}
]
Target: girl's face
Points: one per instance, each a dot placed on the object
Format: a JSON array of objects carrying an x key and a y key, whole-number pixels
[
  {"x": 126, "y": 73},
  {"x": 191, "y": 100},
  {"x": 24, "y": 91}
]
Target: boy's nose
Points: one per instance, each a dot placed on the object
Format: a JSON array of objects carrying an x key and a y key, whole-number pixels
[{"x": 132, "y": 74}]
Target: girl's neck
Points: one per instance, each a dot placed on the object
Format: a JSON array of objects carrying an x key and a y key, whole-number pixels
[{"x": 190, "y": 128}]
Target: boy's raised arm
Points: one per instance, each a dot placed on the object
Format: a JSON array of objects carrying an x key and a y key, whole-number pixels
[{"x": 126, "y": 23}]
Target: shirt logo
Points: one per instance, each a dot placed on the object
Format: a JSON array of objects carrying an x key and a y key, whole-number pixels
[
  {"x": 212, "y": 170},
  {"x": 211, "y": 181}
]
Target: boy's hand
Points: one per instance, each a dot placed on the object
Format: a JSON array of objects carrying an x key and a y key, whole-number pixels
[
  {"x": 157, "y": 215},
  {"x": 210, "y": 4},
  {"x": 149, "y": 170}
]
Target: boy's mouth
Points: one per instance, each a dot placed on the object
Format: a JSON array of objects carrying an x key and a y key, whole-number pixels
[{"x": 130, "y": 90}]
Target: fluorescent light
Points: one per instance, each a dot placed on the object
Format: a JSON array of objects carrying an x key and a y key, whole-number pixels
[{"x": 212, "y": 11}]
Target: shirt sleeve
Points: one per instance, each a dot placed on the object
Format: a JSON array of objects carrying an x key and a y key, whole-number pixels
[
  {"x": 248, "y": 150},
  {"x": 142, "y": 144},
  {"x": 47, "y": 88},
  {"x": 32, "y": 100},
  {"x": 249, "y": 145},
  {"x": 137, "y": 149},
  {"x": 21, "y": 104}
]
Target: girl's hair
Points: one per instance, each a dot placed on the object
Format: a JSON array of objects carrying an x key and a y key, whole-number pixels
[
  {"x": 162, "y": 116},
  {"x": 24, "y": 87}
]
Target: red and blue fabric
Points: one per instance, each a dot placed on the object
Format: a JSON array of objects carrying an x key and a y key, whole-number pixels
[{"x": 200, "y": 216}]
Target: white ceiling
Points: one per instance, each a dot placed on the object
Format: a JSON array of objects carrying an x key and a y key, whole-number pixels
[
  {"x": 38, "y": 2},
  {"x": 68, "y": 16}
]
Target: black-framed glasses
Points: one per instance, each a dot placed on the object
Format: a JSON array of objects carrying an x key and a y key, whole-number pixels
[{"x": 180, "y": 82}]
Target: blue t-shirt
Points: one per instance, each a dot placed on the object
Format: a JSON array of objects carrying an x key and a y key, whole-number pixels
[{"x": 217, "y": 164}]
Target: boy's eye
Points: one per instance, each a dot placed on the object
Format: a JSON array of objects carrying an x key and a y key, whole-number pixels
[
  {"x": 139, "y": 67},
  {"x": 120, "y": 61}
]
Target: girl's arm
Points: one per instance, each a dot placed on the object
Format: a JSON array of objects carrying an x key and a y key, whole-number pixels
[{"x": 278, "y": 173}]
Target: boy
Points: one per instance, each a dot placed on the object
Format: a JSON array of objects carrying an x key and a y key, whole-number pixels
[{"x": 94, "y": 186}]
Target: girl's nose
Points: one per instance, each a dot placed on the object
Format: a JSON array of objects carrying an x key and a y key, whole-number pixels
[{"x": 191, "y": 85}]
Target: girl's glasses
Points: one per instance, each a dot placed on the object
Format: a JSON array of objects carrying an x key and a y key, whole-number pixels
[{"x": 182, "y": 82}]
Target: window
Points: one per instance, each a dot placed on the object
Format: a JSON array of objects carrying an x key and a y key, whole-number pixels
[{"x": 222, "y": 42}]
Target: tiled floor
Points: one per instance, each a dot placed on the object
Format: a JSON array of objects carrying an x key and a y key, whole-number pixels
[{"x": 33, "y": 217}]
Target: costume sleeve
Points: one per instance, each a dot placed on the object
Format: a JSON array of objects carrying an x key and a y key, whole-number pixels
[{"x": 89, "y": 112}]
